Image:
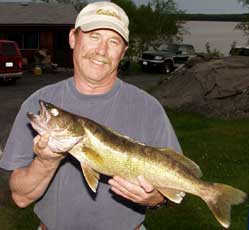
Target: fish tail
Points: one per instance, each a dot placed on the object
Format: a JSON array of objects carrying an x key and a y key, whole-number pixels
[{"x": 221, "y": 200}]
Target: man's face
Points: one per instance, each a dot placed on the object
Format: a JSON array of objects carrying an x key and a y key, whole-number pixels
[{"x": 96, "y": 55}]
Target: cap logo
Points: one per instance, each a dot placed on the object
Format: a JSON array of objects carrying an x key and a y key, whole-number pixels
[{"x": 108, "y": 13}]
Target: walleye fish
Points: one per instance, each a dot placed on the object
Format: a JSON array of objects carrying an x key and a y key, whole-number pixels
[{"x": 102, "y": 150}]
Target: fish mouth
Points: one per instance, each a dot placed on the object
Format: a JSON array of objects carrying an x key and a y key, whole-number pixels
[{"x": 40, "y": 121}]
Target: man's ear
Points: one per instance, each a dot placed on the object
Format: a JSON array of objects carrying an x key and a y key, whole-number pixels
[
  {"x": 72, "y": 38},
  {"x": 124, "y": 52}
]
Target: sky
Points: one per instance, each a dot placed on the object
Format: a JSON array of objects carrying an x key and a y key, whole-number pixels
[
  {"x": 208, "y": 6},
  {"x": 211, "y": 6},
  {"x": 197, "y": 6}
]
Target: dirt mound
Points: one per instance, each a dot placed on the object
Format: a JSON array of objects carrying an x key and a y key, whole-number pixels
[{"x": 213, "y": 87}]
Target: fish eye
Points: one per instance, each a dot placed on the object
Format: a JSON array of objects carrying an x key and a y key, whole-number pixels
[{"x": 54, "y": 112}]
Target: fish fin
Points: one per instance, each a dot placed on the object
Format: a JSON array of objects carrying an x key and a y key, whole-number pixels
[
  {"x": 76, "y": 152},
  {"x": 84, "y": 154},
  {"x": 172, "y": 194},
  {"x": 221, "y": 200},
  {"x": 188, "y": 163},
  {"x": 91, "y": 176}
]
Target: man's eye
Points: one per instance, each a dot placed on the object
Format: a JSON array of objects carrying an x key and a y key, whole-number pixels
[
  {"x": 94, "y": 36},
  {"x": 114, "y": 42}
]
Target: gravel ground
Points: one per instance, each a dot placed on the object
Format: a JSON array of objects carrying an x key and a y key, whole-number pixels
[{"x": 12, "y": 97}]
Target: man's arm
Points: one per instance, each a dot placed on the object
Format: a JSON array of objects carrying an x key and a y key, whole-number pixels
[{"x": 29, "y": 183}]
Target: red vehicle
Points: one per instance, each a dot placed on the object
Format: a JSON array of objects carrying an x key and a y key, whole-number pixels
[{"x": 10, "y": 61}]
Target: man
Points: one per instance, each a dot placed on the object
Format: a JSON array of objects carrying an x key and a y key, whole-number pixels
[{"x": 54, "y": 181}]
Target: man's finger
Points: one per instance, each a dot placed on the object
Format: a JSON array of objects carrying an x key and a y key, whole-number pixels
[
  {"x": 43, "y": 142},
  {"x": 145, "y": 184},
  {"x": 130, "y": 186},
  {"x": 36, "y": 139}
]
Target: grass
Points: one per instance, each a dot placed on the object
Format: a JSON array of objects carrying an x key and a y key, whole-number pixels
[
  {"x": 219, "y": 147},
  {"x": 11, "y": 217}
]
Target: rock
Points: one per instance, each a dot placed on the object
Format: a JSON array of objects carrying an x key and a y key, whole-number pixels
[{"x": 214, "y": 87}]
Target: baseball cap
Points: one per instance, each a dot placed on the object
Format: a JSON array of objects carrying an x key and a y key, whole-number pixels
[{"x": 103, "y": 15}]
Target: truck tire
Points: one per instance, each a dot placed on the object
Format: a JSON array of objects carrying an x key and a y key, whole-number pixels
[{"x": 168, "y": 67}]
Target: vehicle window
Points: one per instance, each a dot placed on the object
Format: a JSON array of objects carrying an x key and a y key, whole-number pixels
[
  {"x": 186, "y": 49},
  {"x": 8, "y": 49},
  {"x": 235, "y": 51},
  {"x": 239, "y": 52},
  {"x": 163, "y": 47},
  {"x": 246, "y": 52},
  {"x": 168, "y": 47}
]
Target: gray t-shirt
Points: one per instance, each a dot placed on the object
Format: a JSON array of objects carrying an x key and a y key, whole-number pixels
[{"x": 68, "y": 204}]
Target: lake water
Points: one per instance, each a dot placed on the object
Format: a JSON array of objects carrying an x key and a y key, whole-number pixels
[{"x": 220, "y": 35}]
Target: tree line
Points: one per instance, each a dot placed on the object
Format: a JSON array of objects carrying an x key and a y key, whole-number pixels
[
  {"x": 244, "y": 25},
  {"x": 215, "y": 17}
]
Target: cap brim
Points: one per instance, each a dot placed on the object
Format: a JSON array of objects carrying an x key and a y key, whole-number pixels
[{"x": 104, "y": 25}]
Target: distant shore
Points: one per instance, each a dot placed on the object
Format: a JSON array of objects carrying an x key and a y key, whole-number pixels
[
  {"x": 219, "y": 34},
  {"x": 215, "y": 17}
]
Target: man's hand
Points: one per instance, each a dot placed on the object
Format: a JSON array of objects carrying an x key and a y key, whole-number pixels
[
  {"x": 44, "y": 154},
  {"x": 142, "y": 193}
]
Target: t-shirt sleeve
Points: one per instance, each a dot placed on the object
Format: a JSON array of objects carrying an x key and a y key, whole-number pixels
[{"x": 18, "y": 151}]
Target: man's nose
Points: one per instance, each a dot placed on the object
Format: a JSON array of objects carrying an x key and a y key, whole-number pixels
[{"x": 102, "y": 48}]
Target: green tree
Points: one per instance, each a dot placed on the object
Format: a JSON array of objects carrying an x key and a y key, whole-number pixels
[
  {"x": 78, "y": 4},
  {"x": 244, "y": 26},
  {"x": 244, "y": 2},
  {"x": 151, "y": 24}
]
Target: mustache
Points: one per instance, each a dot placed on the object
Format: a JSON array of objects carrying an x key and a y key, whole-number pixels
[{"x": 99, "y": 58}]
